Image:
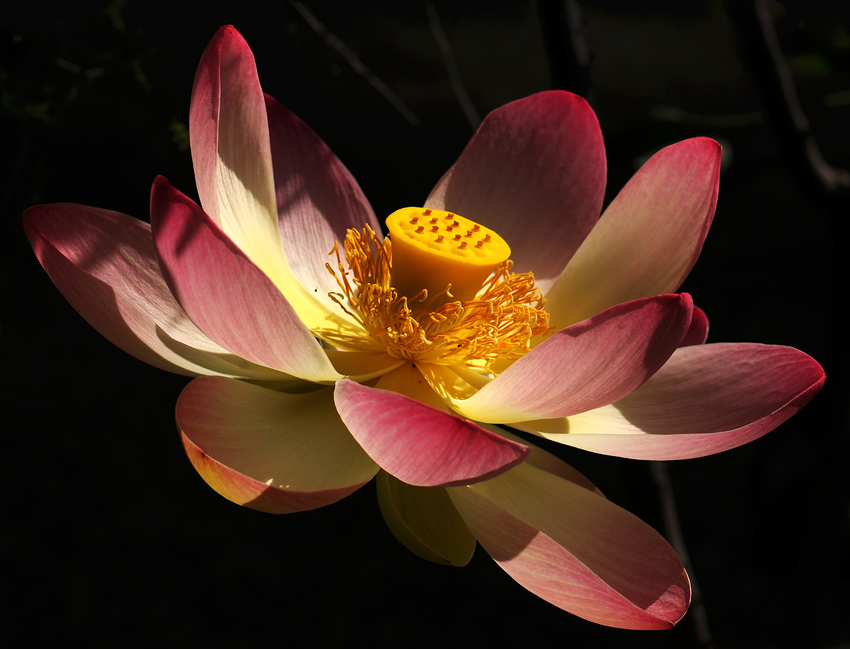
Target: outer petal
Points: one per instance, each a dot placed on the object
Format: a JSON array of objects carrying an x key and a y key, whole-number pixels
[
  {"x": 318, "y": 200},
  {"x": 229, "y": 133},
  {"x": 698, "y": 329},
  {"x": 105, "y": 265},
  {"x": 425, "y": 521},
  {"x": 706, "y": 399},
  {"x": 648, "y": 239},
  {"x": 588, "y": 365},
  {"x": 419, "y": 444},
  {"x": 225, "y": 294},
  {"x": 534, "y": 172},
  {"x": 268, "y": 450},
  {"x": 576, "y": 550}
]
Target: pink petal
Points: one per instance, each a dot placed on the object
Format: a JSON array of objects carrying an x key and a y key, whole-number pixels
[
  {"x": 225, "y": 294},
  {"x": 649, "y": 237},
  {"x": 105, "y": 265},
  {"x": 576, "y": 550},
  {"x": 318, "y": 200},
  {"x": 698, "y": 330},
  {"x": 420, "y": 444},
  {"x": 269, "y": 450},
  {"x": 230, "y": 146},
  {"x": 587, "y": 365},
  {"x": 535, "y": 173},
  {"x": 425, "y": 521},
  {"x": 706, "y": 399}
]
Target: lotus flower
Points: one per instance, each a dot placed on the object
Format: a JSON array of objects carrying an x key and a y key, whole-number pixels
[{"x": 505, "y": 299}]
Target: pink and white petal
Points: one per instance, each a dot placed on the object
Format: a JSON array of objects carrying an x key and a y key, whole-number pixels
[
  {"x": 698, "y": 330},
  {"x": 225, "y": 294},
  {"x": 105, "y": 265},
  {"x": 425, "y": 521},
  {"x": 576, "y": 549},
  {"x": 420, "y": 444},
  {"x": 318, "y": 200},
  {"x": 231, "y": 151},
  {"x": 535, "y": 173},
  {"x": 588, "y": 365},
  {"x": 706, "y": 399},
  {"x": 269, "y": 450},
  {"x": 648, "y": 239}
]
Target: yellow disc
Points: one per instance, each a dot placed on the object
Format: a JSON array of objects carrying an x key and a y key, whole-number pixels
[{"x": 432, "y": 249}]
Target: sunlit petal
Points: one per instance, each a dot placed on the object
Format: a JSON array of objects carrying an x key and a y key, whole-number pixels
[
  {"x": 706, "y": 399},
  {"x": 576, "y": 549},
  {"x": 420, "y": 444},
  {"x": 269, "y": 450},
  {"x": 649, "y": 237},
  {"x": 588, "y": 365}
]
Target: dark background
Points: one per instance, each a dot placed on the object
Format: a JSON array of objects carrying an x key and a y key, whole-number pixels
[{"x": 110, "y": 535}]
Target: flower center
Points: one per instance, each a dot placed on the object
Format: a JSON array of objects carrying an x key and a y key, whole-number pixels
[{"x": 440, "y": 290}]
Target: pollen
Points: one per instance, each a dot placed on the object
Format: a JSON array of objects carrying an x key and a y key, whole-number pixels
[{"x": 497, "y": 320}]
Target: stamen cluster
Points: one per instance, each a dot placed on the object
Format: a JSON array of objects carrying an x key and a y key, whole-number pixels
[{"x": 505, "y": 314}]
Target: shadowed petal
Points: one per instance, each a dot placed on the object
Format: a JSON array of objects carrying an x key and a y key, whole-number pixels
[
  {"x": 225, "y": 294},
  {"x": 698, "y": 329},
  {"x": 268, "y": 450},
  {"x": 706, "y": 399},
  {"x": 535, "y": 173},
  {"x": 648, "y": 239},
  {"x": 420, "y": 444},
  {"x": 576, "y": 550},
  {"x": 587, "y": 365},
  {"x": 425, "y": 521},
  {"x": 105, "y": 265},
  {"x": 318, "y": 200}
]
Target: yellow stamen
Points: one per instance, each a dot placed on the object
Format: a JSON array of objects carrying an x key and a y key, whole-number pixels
[{"x": 431, "y": 323}]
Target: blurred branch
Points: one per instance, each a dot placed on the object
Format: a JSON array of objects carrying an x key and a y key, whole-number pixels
[
  {"x": 561, "y": 25},
  {"x": 697, "y": 614},
  {"x": 759, "y": 44},
  {"x": 355, "y": 63},
  {"x": 451, "y": 67}
]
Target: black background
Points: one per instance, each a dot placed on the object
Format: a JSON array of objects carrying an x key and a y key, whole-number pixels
[{"x": 110, "y": 535}]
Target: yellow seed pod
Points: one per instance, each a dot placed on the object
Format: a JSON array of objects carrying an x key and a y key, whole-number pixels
[{"x": 433, "y": 248}]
